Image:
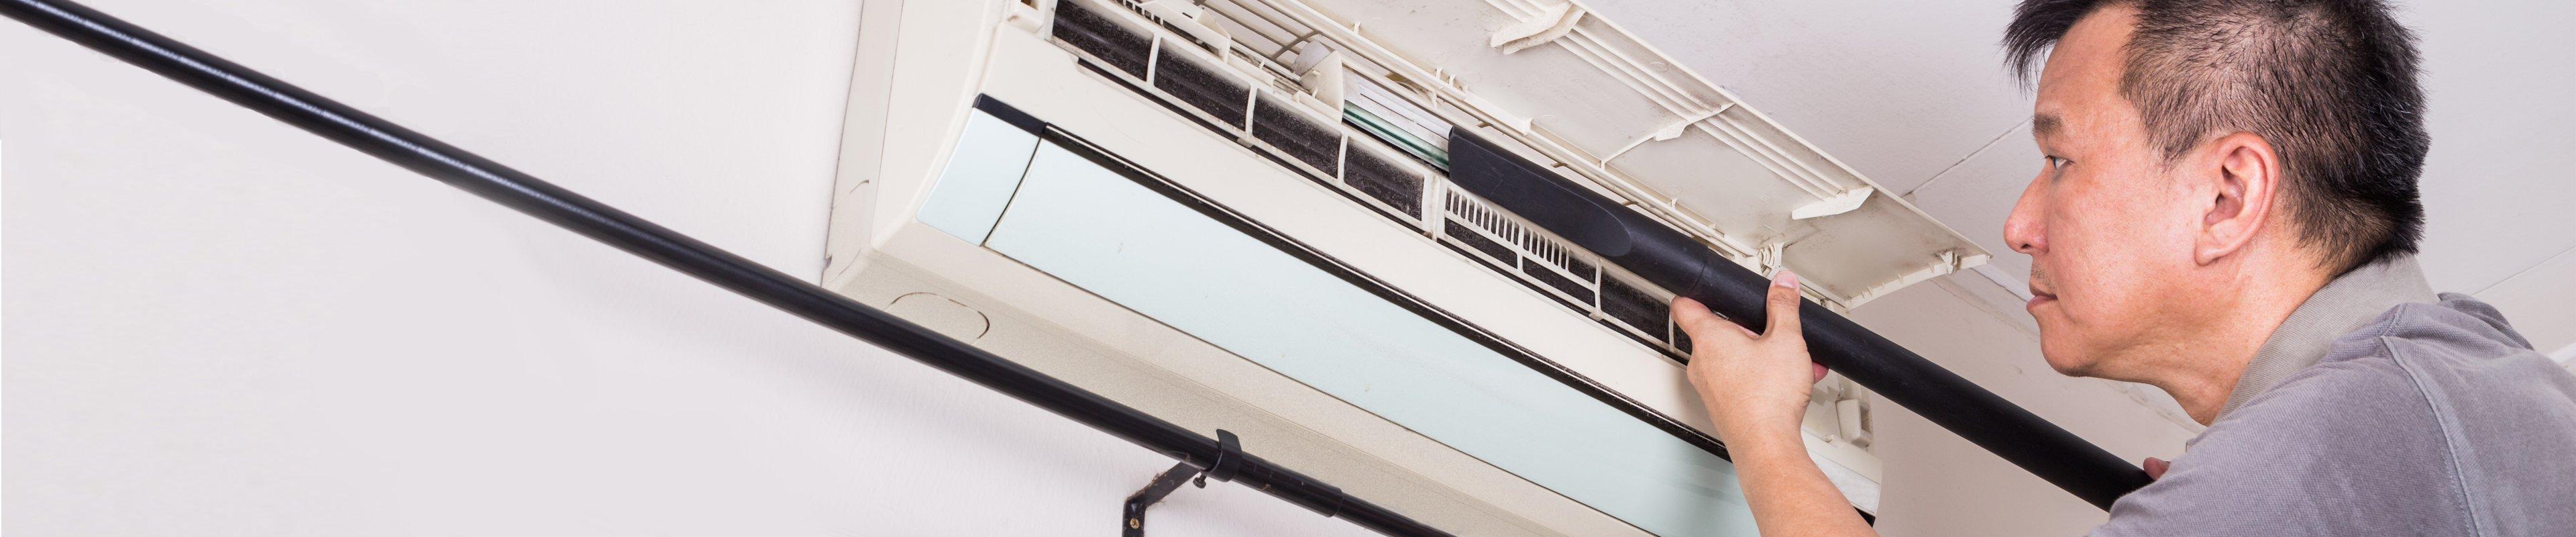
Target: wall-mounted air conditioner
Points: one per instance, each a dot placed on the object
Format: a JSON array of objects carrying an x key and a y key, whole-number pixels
[{"x": 1235, "y": 214}]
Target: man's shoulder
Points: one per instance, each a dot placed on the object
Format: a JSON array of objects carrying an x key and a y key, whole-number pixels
[
  {"x": 2505, "y": 414},
  {"x": 2416, "y": 356},
  {"x": 2458, "y": 330},
  {"x": 2348, "y": 446},
  {"x": 2364, "y": 390},
  {"x": 2354, "y": 451},
  {"x": 2434, "y": 419}
]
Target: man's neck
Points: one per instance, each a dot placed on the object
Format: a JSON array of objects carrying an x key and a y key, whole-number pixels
[{"x": 2200, "y": 365}]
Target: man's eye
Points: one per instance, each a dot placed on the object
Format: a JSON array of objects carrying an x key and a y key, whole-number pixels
[{"x": 2055, "y": 164}]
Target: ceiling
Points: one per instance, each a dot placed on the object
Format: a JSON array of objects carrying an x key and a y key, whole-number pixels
[{"x": 1915, "y": 96}]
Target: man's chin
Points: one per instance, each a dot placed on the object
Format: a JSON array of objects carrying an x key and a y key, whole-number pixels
[
  {"x": 2069, "y": 363},
  {"x": 2072, "y": 368}
]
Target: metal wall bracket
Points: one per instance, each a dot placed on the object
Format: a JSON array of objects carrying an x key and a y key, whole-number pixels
[{"x": 1229, "y": 457}]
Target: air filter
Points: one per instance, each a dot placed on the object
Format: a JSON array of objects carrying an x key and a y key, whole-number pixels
[
  {"x": 1387, "y": 182},
  {"x": 1215, "y": 92},
  {"x": 1096, "y": 34},
  {"x": 1290, "y": 131}
]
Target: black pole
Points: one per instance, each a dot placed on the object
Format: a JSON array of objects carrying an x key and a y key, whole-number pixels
[
  {"x": 492, "y": 181},
  {"x": 1670, "y": 259}
]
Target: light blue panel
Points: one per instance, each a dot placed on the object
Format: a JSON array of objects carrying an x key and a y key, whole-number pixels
[
  {"x": 979, "y": 179},
  {"x": 1113, "y": 237}
]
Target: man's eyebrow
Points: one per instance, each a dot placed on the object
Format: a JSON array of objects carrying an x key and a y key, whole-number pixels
[{"x": 2044, "y": 124}]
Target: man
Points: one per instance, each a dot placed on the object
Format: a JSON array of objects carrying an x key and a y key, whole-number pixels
[{"x": 2227, "y": 211}]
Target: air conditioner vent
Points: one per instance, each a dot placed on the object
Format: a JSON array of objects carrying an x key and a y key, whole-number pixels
[
  {"x": 1639, "y": 310},
  {"x": 1096, "y": 34},
  {"x": 1215, "y": 92},
  {"x": 1290, "y": 132},
  {"x": 1548, "y": 251},
  {"x": 1579, "y": 268},
  {"x": 1542, "y": 250},
  {"x": 1398, "y": 187},
  {"x": 1581, "y": 292},
  {"x": 1496, "y": 250}
]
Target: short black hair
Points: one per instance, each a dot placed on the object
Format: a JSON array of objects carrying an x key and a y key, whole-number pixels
[{"x": 2330, "y": 83}]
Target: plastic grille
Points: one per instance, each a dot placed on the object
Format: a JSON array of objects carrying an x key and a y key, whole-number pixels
[
  {"x": 1480, "y": 243},
  {"x": 1580, "y": 292}
]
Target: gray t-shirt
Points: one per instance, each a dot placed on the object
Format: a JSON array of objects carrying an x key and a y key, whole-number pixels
[{"x": 2429, "y": 419}]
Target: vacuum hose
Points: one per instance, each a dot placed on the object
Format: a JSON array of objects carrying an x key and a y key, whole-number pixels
[{"x": 1677, "y": 262}]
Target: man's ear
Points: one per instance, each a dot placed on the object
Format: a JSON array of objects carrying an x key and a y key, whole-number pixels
[{"x": 2246, "y": 190}]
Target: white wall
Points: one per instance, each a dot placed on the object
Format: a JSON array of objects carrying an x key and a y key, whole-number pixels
[{"x": 218, "y": 325}]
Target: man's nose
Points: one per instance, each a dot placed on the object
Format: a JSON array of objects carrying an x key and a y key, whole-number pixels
[{"x": 2023, "y": 230}]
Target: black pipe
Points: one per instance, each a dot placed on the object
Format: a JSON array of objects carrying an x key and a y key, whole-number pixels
[
  {"x": 1679, "y": 263},
  {"x": 563, "y": 208}
]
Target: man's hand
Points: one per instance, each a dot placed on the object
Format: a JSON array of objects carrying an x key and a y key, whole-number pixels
[{"x": 1753, "y": 384}]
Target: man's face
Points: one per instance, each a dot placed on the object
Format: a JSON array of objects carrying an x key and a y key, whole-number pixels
[{"x": 2109, "y": 237}]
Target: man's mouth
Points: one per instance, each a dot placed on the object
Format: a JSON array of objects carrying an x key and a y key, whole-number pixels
[{"x": 2038, "y": 297}]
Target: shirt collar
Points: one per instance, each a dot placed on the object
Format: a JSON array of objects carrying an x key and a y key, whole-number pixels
[{"x": 2343, "y": 305}]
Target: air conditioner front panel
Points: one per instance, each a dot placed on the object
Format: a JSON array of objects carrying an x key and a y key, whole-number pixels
[
  {"x": 1116, "y": 238},
  {"x": 902, "y": 228},
  {"x": 1202, "y": 387},
  {"x": 1338, "y": 227}
]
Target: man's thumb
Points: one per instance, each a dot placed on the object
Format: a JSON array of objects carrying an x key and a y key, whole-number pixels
[{"x": 1783, "y": 305}]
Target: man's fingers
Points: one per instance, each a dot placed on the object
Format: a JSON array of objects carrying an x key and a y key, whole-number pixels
[
  {"x": 2156, "y": 468},
  {"x": 1689, "y": 314},
  {"x": 1783, "y": 305},
  {"x": 1695, "y": 319},
  {"x": 1820, "y": 373}
]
